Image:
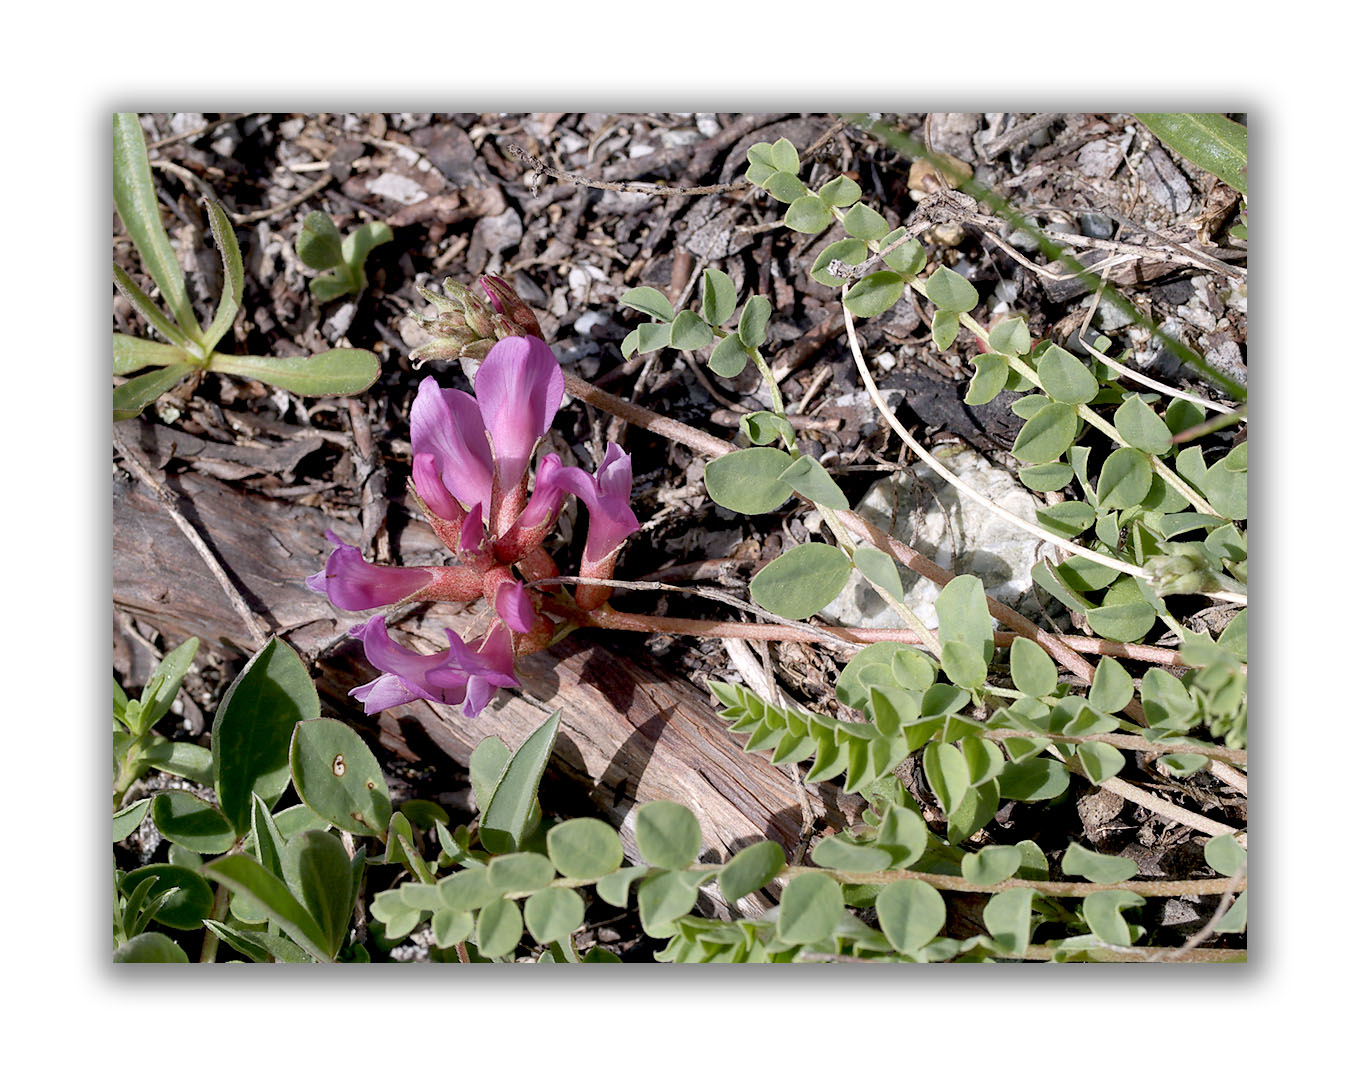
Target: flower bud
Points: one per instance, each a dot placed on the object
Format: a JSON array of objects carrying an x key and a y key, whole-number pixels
[{"x": 507, "y": 302}]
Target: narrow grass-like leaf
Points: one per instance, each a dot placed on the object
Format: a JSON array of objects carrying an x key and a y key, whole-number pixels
[
  {"x": 317, "y": 870},
  {"x": 1209, "y": 140},
  {"x": 232, "y": 275},
  {"x": 241, "y": 874},
  {"x": 131, "y": 354},
  {"x": 338, "y": 372},
  {"x": 167, "y": 678},
  {"x": 512, "y": 807},
  {"x": 132, "y": 396},
  {"x": 190, "y": 900},
  {"x": 134, "y": 196}
]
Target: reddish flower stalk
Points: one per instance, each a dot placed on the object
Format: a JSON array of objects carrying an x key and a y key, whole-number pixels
[{"x": 471, "y": 456}]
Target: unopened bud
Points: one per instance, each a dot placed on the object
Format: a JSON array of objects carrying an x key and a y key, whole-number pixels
[{"x": 506, "y": 301}]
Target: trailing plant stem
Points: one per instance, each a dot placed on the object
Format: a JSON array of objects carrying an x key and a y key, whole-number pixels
[
  {"x": 608, "y": 617},
  {"x": 1142, "y": 887},
  {"x": 964, "y": 488}
]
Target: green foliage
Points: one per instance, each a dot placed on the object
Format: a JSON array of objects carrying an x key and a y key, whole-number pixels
[
  {"x": 191, "y": 347},
  {"x": 970, "y": 730},
  {"x": 801, "y": 581},
  {"x": 320, "y": 246},
  {"x": 1209, "y": 140}
]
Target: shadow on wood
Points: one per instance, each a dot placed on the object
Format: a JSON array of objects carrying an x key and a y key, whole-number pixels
[{"x": 631, "y": 732}]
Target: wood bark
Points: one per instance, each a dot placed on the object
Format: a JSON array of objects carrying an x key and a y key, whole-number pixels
[{"x": 631, "y": 731}]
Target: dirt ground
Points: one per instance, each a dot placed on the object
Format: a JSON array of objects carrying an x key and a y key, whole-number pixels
[{"x": 539, "y": 199}]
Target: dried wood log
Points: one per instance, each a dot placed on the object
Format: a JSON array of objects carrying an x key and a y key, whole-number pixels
[{"x": 631, "y": 732}]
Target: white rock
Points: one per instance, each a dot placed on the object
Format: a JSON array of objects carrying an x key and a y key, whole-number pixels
[
  {"x": 397, "y": 187},
  {"x": 954, "y": 531}
]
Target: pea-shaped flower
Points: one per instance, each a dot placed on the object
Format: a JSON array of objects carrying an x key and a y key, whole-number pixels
[{"x": 475, "y": 450}]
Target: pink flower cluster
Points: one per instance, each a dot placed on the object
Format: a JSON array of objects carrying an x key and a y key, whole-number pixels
[{"x": 471, "y": 458}]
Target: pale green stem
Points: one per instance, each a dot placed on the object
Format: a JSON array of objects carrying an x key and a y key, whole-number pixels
[
  {"x": 927, "y": 637},
  {"x": 1153, "y": 383},
  {"x": 1022, "y": 368},
  {"x": 963, "y": 487}
]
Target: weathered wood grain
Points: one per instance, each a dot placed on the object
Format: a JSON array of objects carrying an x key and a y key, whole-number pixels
[{"x": 631, "y": 731}]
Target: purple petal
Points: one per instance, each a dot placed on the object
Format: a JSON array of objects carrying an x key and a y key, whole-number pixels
[
  {"x": 546, "y": 500},
  {"x": 514, "y": 607},
  {"x": 447, "y": 424},
  {"x": 519, "y": 388},
  {"x": 606, "y": 496},
  {"x": 351, "y": 583},
  {"x": 473, "y": 534},
  {"x": 425, "y": 477},
  {"x": 419, "y": 676},
  {"x": 387, "y": 691},
  {"x": 496, "y": 653}
]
